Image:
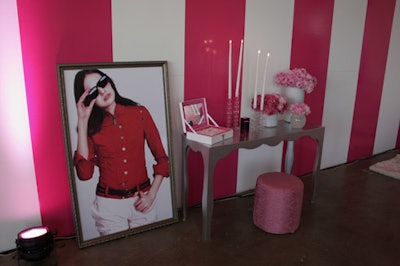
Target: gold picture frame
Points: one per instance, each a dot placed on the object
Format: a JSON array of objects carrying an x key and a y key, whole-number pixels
[{"x": 147, "y": 84}]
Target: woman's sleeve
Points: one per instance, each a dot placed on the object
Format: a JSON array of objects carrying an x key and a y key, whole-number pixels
[
  {"x": 157, "y": 149},
  {"x": 85, "y": 167}
]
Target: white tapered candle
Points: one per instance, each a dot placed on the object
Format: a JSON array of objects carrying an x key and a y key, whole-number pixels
[
  {"x": 256, "y": 83},
  {"x": 264, "y": 82},
  {"x": 230, "y": 71},
  {"x": 239, "y": 69}
]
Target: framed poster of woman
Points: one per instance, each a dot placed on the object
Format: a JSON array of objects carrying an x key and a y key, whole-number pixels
[{"x": 116, "y": 119}]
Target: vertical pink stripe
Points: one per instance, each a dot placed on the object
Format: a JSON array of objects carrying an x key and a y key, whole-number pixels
[
  {"x": 52, "y": 32},
  {"x": 312, "y": 25},
  {"x": 374, "y": 53},
  {"x": 209, "y": 27}
]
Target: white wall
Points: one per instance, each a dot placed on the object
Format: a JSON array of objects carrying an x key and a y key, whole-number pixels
[
  {"x": 343, "y": 67},
  {"x": 263, "y": 16},
  {"x": 389, "y": 117}
]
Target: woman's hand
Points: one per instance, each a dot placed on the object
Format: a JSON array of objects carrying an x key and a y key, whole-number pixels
[
  {"x": 83, "y": 120},
  {"x": 84, "y": 111},
  {"x": 144, "y": 203},
  {"x": 146, "y": 199}
]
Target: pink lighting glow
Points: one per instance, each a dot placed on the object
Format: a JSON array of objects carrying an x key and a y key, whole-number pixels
[
  {"x": 33, "y": 232},
  {"x": 17, "y": 168},
  {"x": 49, "y": 37}
]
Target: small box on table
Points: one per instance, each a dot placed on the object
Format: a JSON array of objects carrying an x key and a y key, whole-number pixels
[{"x": 196, "y": 123}]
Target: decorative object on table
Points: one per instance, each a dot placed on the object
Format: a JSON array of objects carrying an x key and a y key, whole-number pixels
[
  {"x": 244, "y": 127},
  {"x": 196, "y": 123},
  {"x": 297, "y": 82},
  {"x": 256, "y": 114},
  {"x": 229, "y": 113},
  {"x": 299, "y": 112},
  {"x": 269, "y": 107},
  {"x": 269, "y": 120},
  {"x": 236, "y": 113},
  {"x": 233, "y": 104},
  {"x": 245, "y": 124},
  {"x": 255, "y": 120},
  {"x": 294, "y": 94}
]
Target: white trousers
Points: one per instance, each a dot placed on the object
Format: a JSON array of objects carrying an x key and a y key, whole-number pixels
[{"x": 116, "y": 215}]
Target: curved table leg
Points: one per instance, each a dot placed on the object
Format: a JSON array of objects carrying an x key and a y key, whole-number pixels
[
  {"x": 207, "y": 203},
  {"x": 317, "y": 163},
  {"x": 289, "y": 158},
  {"x": 185, "y": 153}
]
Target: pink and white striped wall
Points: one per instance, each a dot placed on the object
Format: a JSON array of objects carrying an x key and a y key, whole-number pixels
[{"x": 352, "y": 47}]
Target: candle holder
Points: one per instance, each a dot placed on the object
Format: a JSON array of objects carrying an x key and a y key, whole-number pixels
[
  {"x": 236, "y": 113},
  {"x": 228, "y": 113},
  {"x": 255, "y": 117}
]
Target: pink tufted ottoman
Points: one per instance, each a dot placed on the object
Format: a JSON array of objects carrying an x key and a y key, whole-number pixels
[{"x": 278, "y": 202}]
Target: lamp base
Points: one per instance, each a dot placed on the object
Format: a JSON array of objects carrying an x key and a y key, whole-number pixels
[
  {"x": 35, "y": 246},
  {"x": 50, "y": 260}
]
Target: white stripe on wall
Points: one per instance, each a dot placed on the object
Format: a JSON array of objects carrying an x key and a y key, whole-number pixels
[
  {"x": 155, "y": 30},
  {"x": 343, "y": 68},
  {"x": 389, "y": 112},
  {"x": 268, "y": 27}
]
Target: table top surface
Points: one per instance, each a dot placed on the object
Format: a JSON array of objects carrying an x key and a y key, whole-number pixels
[{"x": 283, "y": 131}]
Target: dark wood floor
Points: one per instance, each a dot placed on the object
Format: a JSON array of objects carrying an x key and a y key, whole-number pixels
[{"x": 354, "y": 221}]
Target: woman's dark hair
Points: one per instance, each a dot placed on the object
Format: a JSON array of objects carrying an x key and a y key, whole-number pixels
[{"x": 97, "y": 115}]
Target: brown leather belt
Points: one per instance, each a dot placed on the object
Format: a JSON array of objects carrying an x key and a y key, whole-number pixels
[{"x": 121, "y": 193}]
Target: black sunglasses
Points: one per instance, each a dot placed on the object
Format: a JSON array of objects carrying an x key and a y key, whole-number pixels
[{"x": 94, "y": 92}]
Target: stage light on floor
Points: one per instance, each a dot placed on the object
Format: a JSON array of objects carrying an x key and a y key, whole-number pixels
[{"x": 34, "y": 243}]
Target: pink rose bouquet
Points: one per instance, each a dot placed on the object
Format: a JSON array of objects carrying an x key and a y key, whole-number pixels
[
  {"x": 299, "y": 109},
  {"x": 297, "y": 77},
  {"x": 273, "y": 104}
]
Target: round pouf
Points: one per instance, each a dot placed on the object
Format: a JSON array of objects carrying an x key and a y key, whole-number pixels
[{"x": 278, "y": 202}]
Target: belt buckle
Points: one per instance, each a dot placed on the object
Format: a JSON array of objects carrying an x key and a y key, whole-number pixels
[{"x": 125, "y": 193}]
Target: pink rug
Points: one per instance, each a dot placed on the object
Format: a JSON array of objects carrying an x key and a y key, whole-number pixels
[{"x": 389, "y": 167}]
